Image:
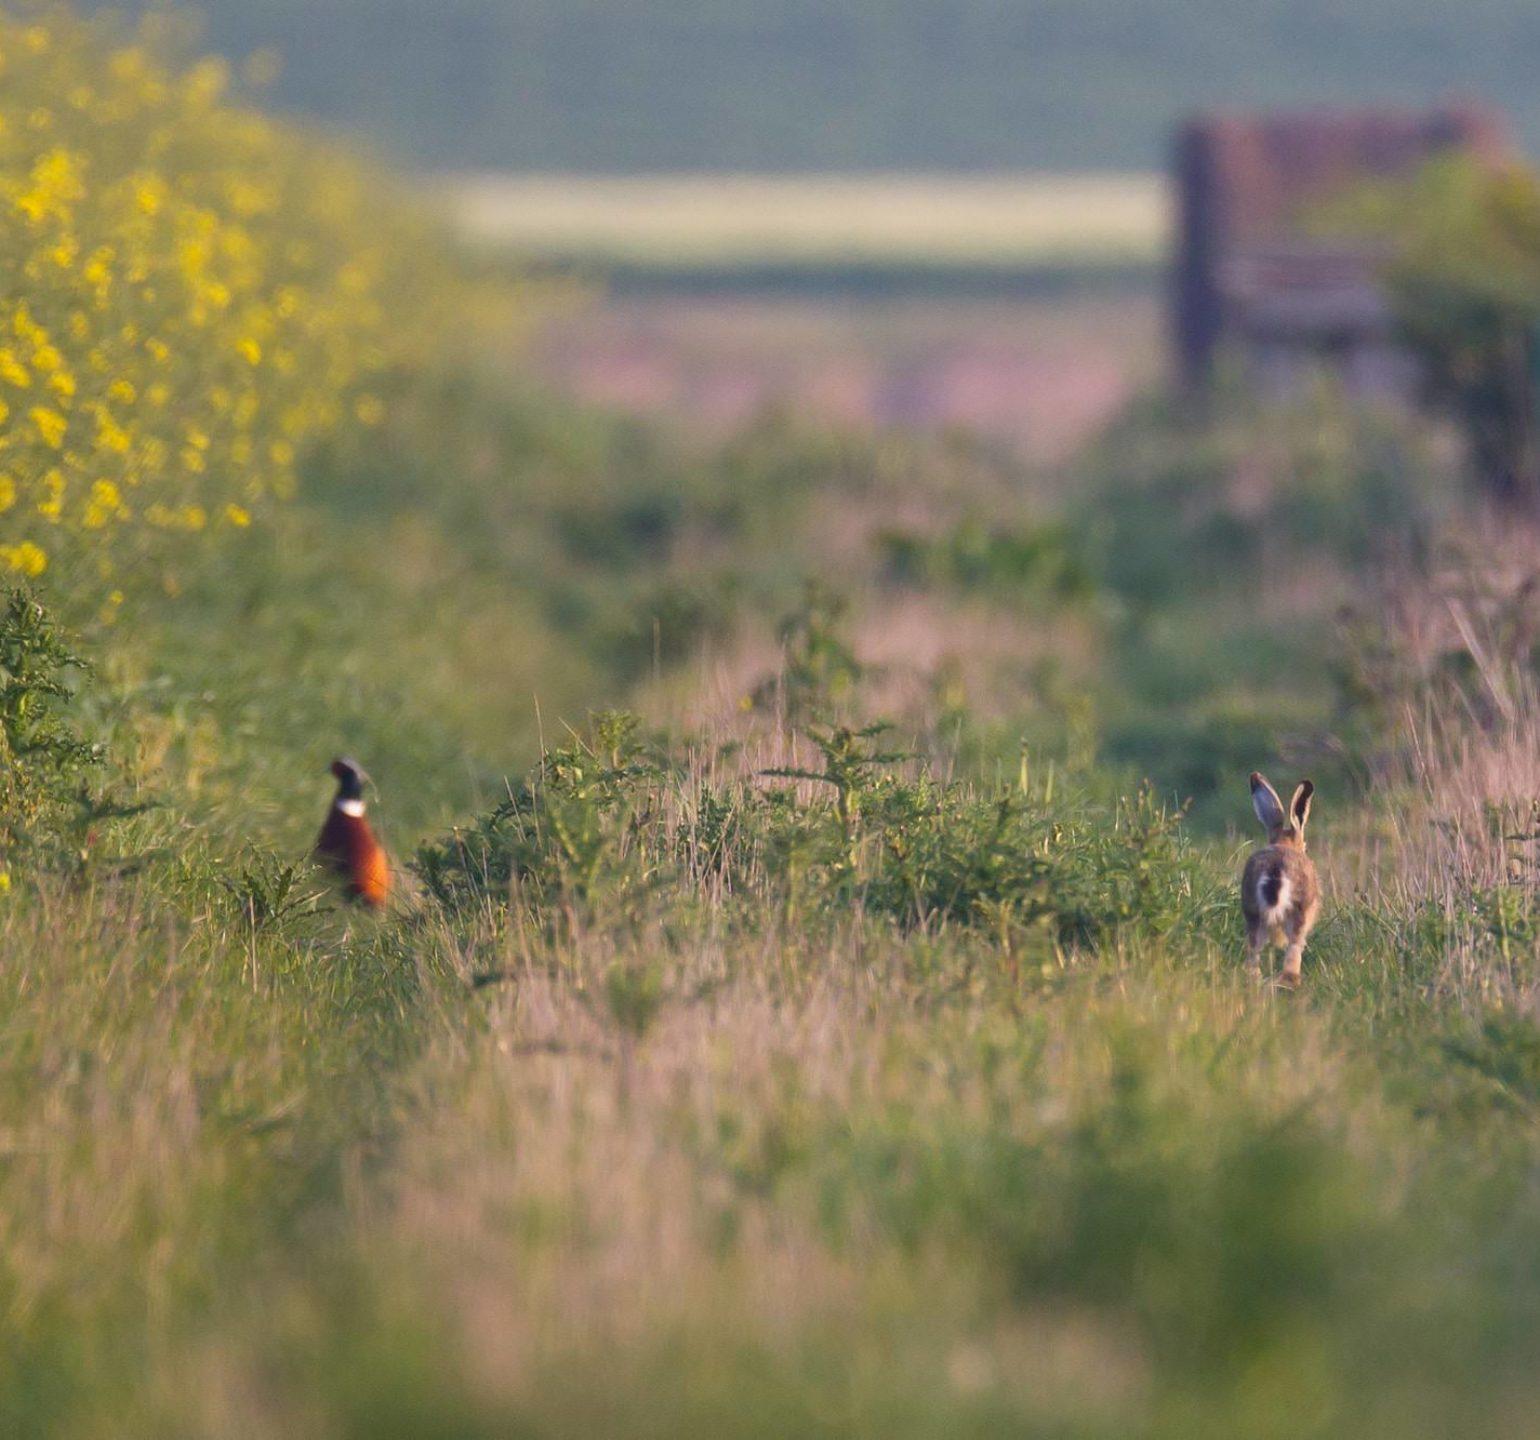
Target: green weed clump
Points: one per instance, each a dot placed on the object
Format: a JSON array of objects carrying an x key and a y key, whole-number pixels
[
  {"x": 54, "y": 799},
  {"x": 607, "y": 820},
  {"x": 43, "y": 759}
]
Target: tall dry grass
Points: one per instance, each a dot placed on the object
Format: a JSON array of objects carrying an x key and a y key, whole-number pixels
[
  {"x": 851, "y": 1184},
  {"x": 1441, "y": 661}
]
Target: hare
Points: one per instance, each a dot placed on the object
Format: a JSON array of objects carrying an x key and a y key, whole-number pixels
[{"x": 1280, "y": 895}]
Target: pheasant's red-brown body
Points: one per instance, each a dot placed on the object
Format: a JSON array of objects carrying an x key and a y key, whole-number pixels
[{"x": 348, "y": 847}]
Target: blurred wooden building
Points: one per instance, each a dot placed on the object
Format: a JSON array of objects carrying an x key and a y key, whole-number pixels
[{"x": 1249, "y": 280}]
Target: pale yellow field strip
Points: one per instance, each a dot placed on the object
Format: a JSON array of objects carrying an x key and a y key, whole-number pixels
[{"x": 737, "y": 219}]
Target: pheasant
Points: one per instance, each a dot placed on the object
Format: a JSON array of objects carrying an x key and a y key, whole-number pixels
[{"x": 347, "y": 846}]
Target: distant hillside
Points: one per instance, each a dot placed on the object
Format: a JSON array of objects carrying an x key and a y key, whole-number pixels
[{"x": 617, "y": 85}]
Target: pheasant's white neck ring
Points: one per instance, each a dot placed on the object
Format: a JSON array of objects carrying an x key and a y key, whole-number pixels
[{"x": 355, "y": 808}]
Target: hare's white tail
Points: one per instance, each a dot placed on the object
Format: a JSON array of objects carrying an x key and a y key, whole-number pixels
[{"x": 1273, "y": 893}]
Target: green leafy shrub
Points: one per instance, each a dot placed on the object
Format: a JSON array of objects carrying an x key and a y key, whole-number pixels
[
  {"x": 571, "y": 831},
  {"x": 49, "y": 808},
  {"x": 1464, "y": 279},
  {"x": 1174, "y": 508},
  {"x": 603, "y": 822}
]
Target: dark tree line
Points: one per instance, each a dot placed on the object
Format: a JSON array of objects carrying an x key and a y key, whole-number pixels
[{"x": 609, "y": 85}]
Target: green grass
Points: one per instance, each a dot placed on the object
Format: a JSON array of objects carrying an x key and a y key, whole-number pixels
[{"x": 731, "y": 1074}]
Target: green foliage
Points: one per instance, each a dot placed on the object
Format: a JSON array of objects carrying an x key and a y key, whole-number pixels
[
  {"x": 421, "y": 548},
  {"x": 50, "y": 809},
  {"x": 819, "y": 671},
  {"x": 1017, "y": 866},
  {"x": 599, "y": 827},
  {"x": 1202, "y": 754},
  {"x": 667, "y": 623},
  {"x": 271, "y": 893},
  {"x": 1010, "y": 565},
  {"x": 204, "y": 1081},
  {"x": 851, "y": 767},
  {"x": 571, "y": 832},
  {"x": 1176, "y": 508},
  {"x": 633, "y": 996},
  {"x": 43, "y": 758},
  {"x": 1221, "y": 545},
  {"x": 1465, "y": 281}
]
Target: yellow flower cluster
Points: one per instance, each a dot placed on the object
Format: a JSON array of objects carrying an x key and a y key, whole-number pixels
[{"x": 189, "y": 294}]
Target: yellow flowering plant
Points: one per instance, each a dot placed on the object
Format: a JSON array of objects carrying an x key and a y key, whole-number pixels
[{"x": 190, "y": 293}]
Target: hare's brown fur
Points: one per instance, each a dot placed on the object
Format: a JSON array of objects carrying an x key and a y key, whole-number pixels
[{"x": 1280, "y": 892}]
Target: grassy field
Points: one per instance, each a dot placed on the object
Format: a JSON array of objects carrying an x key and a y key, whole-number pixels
[
  {"x": 730, "y": 1074},
  {"x": 726, "y": 222},
  {"x": 814, "y": 1003}
]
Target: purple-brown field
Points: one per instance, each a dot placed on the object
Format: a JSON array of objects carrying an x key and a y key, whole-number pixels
[{"x": 1041, "y": 376}]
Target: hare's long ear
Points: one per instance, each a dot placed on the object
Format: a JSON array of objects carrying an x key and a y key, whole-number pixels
[
  {"x": 1299, "y": 806},
  {"x": 1265, "y": 801}
]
